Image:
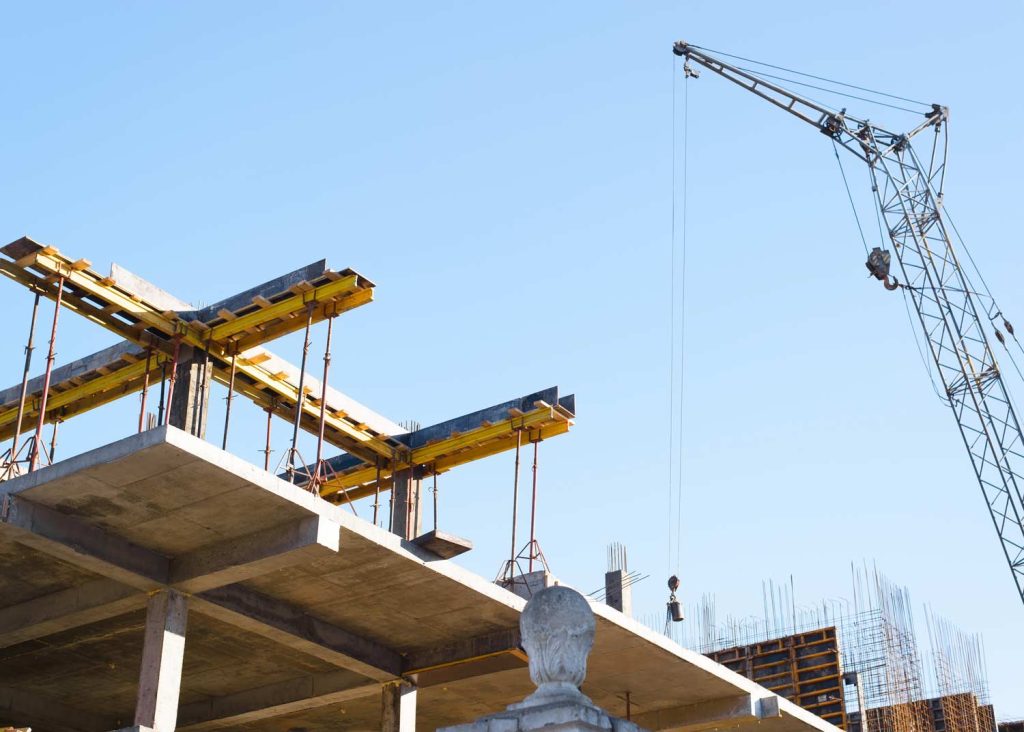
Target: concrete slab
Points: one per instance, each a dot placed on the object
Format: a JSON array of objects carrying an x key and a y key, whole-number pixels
[{"x": 308, "y": 629}]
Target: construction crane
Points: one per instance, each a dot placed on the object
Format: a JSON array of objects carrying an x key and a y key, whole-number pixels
[{"x": 908, "y": 192}]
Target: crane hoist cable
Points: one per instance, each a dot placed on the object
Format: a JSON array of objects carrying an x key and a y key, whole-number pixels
[{"x": 677, "y": 334}]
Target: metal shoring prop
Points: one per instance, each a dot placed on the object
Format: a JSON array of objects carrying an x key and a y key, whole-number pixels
[
  {"x": 163, "y": 389},
  {"x": 300, "y": 398},
  {"x": 145, "y": 389},
  {"x": 203, "y": 387},
  {"x": 34, "y": 459},
  {"x": 53, "y": 439},
  {"x": 24, "y": 388},
  {"x": 323, "y": 471},
  {"x": 376, "y": 493},
  {"x": 319, "y": 473},
  {"x": 266, "y": 450},
  {"x": 507, "y": 573},
  {"x": 229, "y": 398},
  {"x": 173, "y": 378},
  {"x": 391, "y": 494},
  {"x": 435, "y": 498},
  {"x": 534, "y": 548}
]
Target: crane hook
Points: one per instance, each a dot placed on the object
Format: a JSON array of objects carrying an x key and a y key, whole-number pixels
[{"x": 878, "y": 267}]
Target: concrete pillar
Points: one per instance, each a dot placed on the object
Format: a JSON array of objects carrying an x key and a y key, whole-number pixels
[
  {"x": 407, "y": 495},
  {"x": 191, "y": 395},
  {"x": 398, "y": 707},
  {"x": 616, "y": 593},
  {"x": 163, "y": 650}
]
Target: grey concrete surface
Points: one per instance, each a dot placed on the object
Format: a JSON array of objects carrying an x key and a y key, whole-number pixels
[{"x": 287, "y": 627}]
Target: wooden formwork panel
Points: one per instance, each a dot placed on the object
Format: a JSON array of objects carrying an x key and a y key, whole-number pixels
[{"x": 803, "y": 668}]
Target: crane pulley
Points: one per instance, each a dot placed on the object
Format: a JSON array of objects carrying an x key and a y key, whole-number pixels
[{"x": 908, "y": 192}]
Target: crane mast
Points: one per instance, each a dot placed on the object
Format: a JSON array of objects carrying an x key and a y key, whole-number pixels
[{"x": 908, "y": 191}]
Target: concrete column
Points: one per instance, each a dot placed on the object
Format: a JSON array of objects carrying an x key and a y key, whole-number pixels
[
  {"x": 408, "y": 505},
  {"x": 162, "y": 653},
  {"x": 616, "y": 593},
  {"x": 191, "y": 395},
  {"x": 398, "y": 707}
]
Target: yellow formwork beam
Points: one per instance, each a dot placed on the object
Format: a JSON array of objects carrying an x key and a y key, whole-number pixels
[
  {"x": 101, "y": 300},
  {"x": 541, "y": 423}
]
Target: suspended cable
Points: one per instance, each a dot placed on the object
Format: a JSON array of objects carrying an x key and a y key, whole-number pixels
[
  {"x": 672, "y": 327},
  {"x": 682, "y": 323},
  {"x": 829, "y": 91},
  {"x": 812, "y": 76},
  {"x": 849, "y": 196}
]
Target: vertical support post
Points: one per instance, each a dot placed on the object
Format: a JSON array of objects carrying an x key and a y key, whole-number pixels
[
  {"x": 53, "y": 439},
  {"x": 435, "y": 499},
  {"x": 301, "y": 397},
  {"x": 398, "y": 707},
  {"x": 145, "y": 389},
  {"x": 515, "y": 506},
  {"x": 188, "y": 391},
  {"x": 163, "y": 650},
  {"x": 533, "y": 507},
  {"x": 163, "y": 388},
  {"x": 34, "y": 459},
  {"x": 407, "y": 506},
  {"x": 376, "y": 494},
  {"x": 617, "y": 594},
  {"x": 323, "y": 398},
  {"x": 230, "y": 397},
  {"x": 174, "y": 376},
  {"x": 24, "y": 379},
  {"x": 266, "y": 450}
]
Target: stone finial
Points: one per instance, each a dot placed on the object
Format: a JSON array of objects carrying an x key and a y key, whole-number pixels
[{"x": 557, "y": 629}]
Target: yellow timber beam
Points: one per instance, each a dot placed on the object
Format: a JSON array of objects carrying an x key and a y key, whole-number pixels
[
  {"x": 101, "y": 300},
  {"x": 539, "y": 424}
]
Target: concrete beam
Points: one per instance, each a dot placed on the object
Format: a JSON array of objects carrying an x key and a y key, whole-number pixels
[
  {"x": 462, "y": 651},
  {"x": 163, "y": 652},
  {"x": 23, "y": 709},
  {"x": 107, "y": 356},
  {"x": 291, "y": 627},
  {"x": 236, "y": 560},
  {"x": 266, "y": 289},
  {"x": 67, "y": 609},
  {"x": 274, "y": 700},
  {"x": 398, "y": 707},
  {"x": 83, "y": 545},
  {"x": 725, "y": 712}
]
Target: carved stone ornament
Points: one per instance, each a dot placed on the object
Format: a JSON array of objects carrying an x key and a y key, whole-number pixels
[{"x": 557, "y": 629}]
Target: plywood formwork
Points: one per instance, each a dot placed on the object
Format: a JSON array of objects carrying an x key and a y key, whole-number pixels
[{"x": 299, "y": 612}]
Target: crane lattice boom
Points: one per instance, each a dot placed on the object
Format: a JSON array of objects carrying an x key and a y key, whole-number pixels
[{"x": 908, "y": 191}]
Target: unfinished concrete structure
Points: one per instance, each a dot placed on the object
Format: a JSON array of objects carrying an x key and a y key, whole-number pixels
[
  {"x": 137, "y": 591},
  {"x": 160, "y": 582}
]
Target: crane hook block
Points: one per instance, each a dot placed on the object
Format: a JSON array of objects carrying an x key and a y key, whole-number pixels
[{"x": 878, "y": 265}]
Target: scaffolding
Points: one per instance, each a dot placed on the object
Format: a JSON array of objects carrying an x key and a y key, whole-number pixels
[{"x": 886, "y": 683}]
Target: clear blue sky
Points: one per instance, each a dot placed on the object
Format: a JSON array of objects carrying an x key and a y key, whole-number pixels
[{"x": 503, "y": 173}]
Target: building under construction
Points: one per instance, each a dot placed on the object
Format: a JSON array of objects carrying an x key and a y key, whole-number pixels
[
  {"x": 160, "y": 582},
  {"x": 858, "y": 665}
]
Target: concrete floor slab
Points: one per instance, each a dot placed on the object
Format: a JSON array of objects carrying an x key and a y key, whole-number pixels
[{"x": 377, "y": 599}]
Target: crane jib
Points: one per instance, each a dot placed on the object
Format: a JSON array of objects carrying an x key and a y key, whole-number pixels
[{"x": 908, "y": 192}]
